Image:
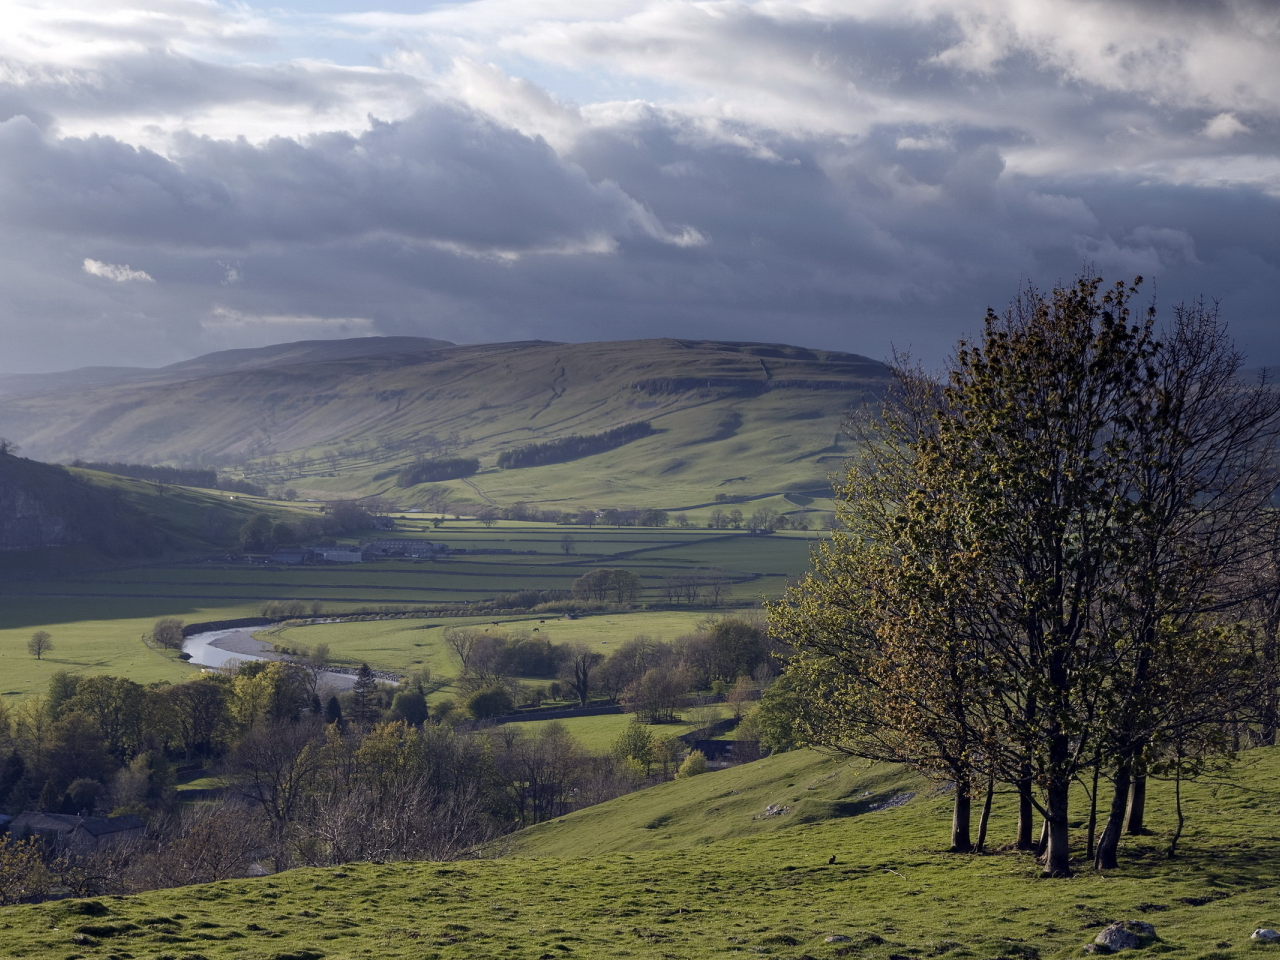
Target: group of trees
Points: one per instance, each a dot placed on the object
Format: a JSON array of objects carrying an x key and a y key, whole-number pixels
[
  {"x": 1057, "y": 565},
  {"x": 573, "y": 447},
  {"x": 309, "y": 777},
  {"x": 608, "y": 586},
  {"x": 262, "y": 534},
  {"x": 437, "y": 470}
]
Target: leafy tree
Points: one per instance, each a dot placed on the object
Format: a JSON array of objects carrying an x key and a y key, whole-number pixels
[
  {"x": 490, "y": 702},
  {"x": 255, "y": 535},
  {"x": 409, "y": 706},
  {"x": 991, "y": 607},
  {"x": 167, "y": 632},
  {"x": 694, "y": 764},
  {"x": 41, "y": 642},
  {"x": 635, "y": 743}
]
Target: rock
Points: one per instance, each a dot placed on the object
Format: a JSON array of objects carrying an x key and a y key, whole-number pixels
[
  {"x": 1124, "y": 935},
  {"x": 1266, "y": 935},
  {"x": 838, "y": 938}
]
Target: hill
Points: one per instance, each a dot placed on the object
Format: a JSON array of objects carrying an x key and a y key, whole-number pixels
[
  {"x": 724, "y": 418},
  {"x": 890, "y": 895},
  {"x": 72, "y": 516}
]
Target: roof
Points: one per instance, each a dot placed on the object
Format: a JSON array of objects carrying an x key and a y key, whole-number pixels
[
  {"x": 101, "y": 826},
  {"x": 37, "y": 822}
]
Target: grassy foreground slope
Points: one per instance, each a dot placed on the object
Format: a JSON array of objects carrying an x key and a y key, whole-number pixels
[{"x": 892, "y": 893}]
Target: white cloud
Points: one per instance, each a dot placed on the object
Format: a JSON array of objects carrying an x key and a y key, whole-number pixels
[
  {"x": 1224, "y": 126},
  {"x": 120, "y": 273}
]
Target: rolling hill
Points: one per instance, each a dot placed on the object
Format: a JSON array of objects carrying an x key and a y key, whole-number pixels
[
  {"x": 341, "y": 418},
  {"x": 728, "y": 881}
]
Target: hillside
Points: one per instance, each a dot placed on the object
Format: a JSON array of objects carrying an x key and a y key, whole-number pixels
[
  {"x": 890, "y": 895},
  {"x": 725, "y": 418},
  {"x": 76, "y": 516}
]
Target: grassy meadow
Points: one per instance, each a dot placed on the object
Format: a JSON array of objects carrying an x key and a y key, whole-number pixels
[
  {"x": 598, "y": 734},
  {"x": 694, "y": 869},
  {"x": 97, "y": 616}
]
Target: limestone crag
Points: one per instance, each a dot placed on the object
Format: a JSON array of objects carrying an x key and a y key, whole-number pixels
[{"x": 25, "y": 522}]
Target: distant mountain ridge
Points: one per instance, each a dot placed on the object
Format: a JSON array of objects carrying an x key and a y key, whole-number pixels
[
  {"x": 223, "y": 361},
  {"x": 341, "y": 417}
]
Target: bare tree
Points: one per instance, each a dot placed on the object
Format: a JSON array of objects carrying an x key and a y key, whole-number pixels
[{"x": 40, "y": 643}]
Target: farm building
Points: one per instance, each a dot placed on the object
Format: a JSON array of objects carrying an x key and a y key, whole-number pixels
[
  {"x": 340, "y": 554},
  {"x": 81, "y": 834},
  {"x": 417, "y": 549}
]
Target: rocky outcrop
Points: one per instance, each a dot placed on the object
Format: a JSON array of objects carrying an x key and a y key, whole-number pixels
[{"x": 25, "y": 522}]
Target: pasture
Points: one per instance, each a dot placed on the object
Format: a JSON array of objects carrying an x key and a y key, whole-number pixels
[
  {"x": 97, "y": 617},
  {"x": 598, "y": 734},
  {"x": 697, "y": 869}
]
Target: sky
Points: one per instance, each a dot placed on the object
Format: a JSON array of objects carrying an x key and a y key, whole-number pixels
[{"x": 182, "y": 176}]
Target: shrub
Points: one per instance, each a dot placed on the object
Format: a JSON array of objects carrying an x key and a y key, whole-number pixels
[
  {"x": 694, "y": 764},
  {"x": 489, "y": 703}
]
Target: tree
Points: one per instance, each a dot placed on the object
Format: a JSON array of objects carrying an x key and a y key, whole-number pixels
[
  {"x": 167, "y": 632},
  {"x": 364, "y": 710},
  {"x": 1018, "y": 575},
  {"x": 740, "y": 695},
  {"x": 567, "y": 544},
  {"x": 490, "y": 702},
  {"x": 635, "y": 743},
  {"x": 41, "y": 642},
  {"x": 255, "y": 535},
  {"x": 579, "y": 666},
  {"x": 694, "y": 764}
]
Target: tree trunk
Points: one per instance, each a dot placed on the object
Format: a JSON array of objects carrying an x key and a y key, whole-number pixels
[
  {"x": 1026, "y": 810},
  {"x": 985, "y": 817},
  {"x": 1177, "y": 801},
  {"x": 1093, "y": 809},
  {"x": 1057, "y": 858},
  {"x": 960, "y": 815},
  {"x": 1109, "y": 843},
  {"x": 1043, "y": 843},
  {"x": 1137, "y": 806}
]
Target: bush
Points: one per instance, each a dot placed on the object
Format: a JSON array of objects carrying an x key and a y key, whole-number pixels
[
  {"x": 489, "y": 703},
  {"x": 694, "y": 764}
]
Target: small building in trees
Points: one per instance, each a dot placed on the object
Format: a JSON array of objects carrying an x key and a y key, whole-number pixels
[{"x": 81, "y": 834}]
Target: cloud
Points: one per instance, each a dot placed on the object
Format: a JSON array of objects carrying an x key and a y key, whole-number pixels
[
  {"x": 120, "y": 273},
  {"x": 1224, "y": 126},
  {"x": 845, "y": 175}
]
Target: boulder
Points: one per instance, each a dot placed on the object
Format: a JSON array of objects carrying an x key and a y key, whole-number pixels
[
  {"x": 1124, "y": 935},
  {"x": 838, "y": 938},
  {"x": 1266, "y": 935}
]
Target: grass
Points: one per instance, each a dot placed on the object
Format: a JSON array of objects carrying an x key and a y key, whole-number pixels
[
  {"x": 404, "y": 645},
  {"x": 97, "y": 616},
  {"x": 349, "y": 425},
  {"x": 597, "y": 734},
  {"x": 716, "y": 882}
]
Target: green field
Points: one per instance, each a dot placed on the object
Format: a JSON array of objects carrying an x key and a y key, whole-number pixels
[
  {"x": 96, "y": 617},
  {"x": 406, "y": 645},
  {"x": 692, "y": 869},
  {"x": 597, "y": 734}
]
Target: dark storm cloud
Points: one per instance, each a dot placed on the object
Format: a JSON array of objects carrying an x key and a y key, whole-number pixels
[{"x": 854, "y": 177}]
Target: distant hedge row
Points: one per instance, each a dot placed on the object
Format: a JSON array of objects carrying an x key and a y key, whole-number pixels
[
  {"x": 573, "y": 447},
  {"x": 433, "y": 471}
]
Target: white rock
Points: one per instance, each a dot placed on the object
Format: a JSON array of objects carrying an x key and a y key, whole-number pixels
[{"x": 1266, "y": 935}]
